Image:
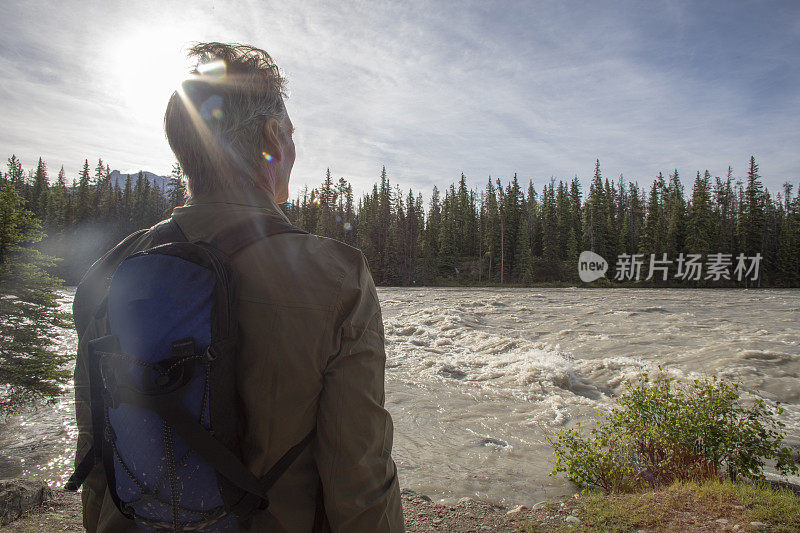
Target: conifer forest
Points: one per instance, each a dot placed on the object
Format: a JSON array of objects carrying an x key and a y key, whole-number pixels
[{"x": 506, "y": 232}]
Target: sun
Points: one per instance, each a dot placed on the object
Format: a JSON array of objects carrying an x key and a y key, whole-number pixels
[{"x": 146, "y": 68}]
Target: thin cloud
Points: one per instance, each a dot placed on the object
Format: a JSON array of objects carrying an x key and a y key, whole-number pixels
[{"x": 432, "y": 89}]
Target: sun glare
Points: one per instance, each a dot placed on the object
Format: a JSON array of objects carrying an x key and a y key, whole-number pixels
[{"x": 146, "y": 69}]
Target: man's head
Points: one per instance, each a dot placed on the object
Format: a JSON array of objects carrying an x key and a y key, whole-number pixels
[{"x": 228, "y": 125}]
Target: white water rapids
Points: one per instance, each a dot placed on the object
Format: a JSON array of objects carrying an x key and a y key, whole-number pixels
[{"x": 476, "y": 378}]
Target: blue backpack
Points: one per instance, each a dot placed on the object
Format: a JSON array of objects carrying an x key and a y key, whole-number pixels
[{"x": 162, "y": 380}]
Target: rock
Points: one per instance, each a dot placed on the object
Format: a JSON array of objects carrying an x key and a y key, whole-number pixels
[
  {"x": 18, "y": 496},
  {"x": 573, "y": 519},
  {"x": 414, "y": 494},
  {"x": 452, "y": 372},
  {"x": 737, "y": 527},
  {"x": 795, "y": 452},
  {"x": 759, "y": 525},
  {"x": 466, "y": 501},
  {"x": 516, "y": 510},
  {"x": 539, "y": 504},
  {"x": 721, "y": 521},
  {"x": 780, "y": 484},
  {"x": 489, "y": 441}
]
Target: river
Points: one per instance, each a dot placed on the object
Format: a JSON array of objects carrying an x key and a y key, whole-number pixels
[{"x": 477, "y": 378}]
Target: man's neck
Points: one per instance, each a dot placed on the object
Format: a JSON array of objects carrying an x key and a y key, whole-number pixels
[{"x": 246, "y": 196}]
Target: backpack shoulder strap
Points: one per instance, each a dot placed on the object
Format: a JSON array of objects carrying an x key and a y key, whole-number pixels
[
  {"x": 167, "y": 231},
  {"x": 93, "y": 287},
  {"x": 239, "y": 236}
]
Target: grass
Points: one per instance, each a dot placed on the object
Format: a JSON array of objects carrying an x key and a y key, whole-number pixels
[{"x": 683, "y": 507}]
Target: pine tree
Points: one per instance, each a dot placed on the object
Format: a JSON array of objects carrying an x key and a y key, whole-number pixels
[
  {"x": 57, "y": 216},
  {"x": 675, "y": 211},
  {"x": 653, "y": 234},
  {"x": 633, "y": 220},
  {"x": 40, "y": 191},
  {"x": 551, "y": 245},
  {"x": 30, "y": 367},
  {"x": 612, "y": 225},
  {"x": 788, "y": 267},
  {"x": 177, "y": 188},
  {"x": 465, "y": 215},
  {"x": 725, "y": 214},
  {"x": 83, "y": 195},
  {"x": 576, "y": 215},
  {"x": 397, "y": 266},
  {"x": 328, "y": 225},
  {"x": 595, "y": 231},
  {"x": 126, "y": 209},
  {"x": 699, "y": 235},
  {"x": 448, "y": 235},
  {"x": 511, "y": 204},
  {"x": 502, "y": 220},
  {"x": 414, "y": 221},
  {"x": 16, "y": 176},
  {"x": 430, "y": 243},
  {"x": 157, "y": 204},
  {"x": 104, "y": 208},
  {"x": 349, "y": 222},
  {"x": 492, "y": 230},
  {"x": 523, "y": 255},
  {"x": 384, "y": 217},
  {"x": 534, "y": 212},
  {"x": 751, "y": 223}
]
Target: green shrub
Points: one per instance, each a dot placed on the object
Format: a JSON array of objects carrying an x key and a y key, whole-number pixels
[{"x": 663, "y": 430}]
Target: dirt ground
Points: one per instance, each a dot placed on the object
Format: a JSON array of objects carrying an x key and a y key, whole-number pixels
[{"x": 63, "y": 513}]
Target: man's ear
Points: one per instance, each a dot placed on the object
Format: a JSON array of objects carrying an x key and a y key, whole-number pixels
[{"x": 272, "y": 139}]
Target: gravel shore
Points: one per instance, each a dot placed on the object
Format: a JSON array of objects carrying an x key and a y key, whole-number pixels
[
  {"x": 63, "y": 513},
  {"x": 674, "y": 509}
]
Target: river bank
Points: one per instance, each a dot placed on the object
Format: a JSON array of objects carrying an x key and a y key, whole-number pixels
[
  {"x": 484, "y": 376},
  {"x": 62, "y": 513},
  {"x": 682, "y": 507}
]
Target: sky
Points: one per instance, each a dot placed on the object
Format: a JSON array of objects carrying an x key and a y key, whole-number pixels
[{"x": 428, "y": 89}]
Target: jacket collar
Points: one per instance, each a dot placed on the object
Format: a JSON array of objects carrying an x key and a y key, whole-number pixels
[{"x": 250, "y": 197}]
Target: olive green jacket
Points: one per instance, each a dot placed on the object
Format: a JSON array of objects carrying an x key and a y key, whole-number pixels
[{"x": 312, "y": 354}]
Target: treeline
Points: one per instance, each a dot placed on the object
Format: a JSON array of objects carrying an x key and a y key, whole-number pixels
[
  {"x": 513, "y": 234},
  {"x": 84, "y": 217},
  {"x": 502, "y": 233}
]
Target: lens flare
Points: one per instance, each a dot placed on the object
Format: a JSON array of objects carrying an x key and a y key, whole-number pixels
[
  {"x": 267, "y": 156},
  {"x": 212, "y": 69},
  {"x": 316, "y": 201},
  {"x": 211, "y": 108},
  {"x": 347, "y": 226}
]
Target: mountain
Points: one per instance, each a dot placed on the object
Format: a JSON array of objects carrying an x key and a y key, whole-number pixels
[{"x": 118, "y": 178}]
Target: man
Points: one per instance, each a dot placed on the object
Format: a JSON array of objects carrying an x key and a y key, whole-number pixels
[{"x": 312, "y": 341}]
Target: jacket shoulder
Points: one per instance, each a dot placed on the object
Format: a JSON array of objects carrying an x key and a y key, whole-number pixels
[
  {"x": 343, "y": 251},
  {"x": 339, "y": 259},
  {"x": 300, "y": 270}
]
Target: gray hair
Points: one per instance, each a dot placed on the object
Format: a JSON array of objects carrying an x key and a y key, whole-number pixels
[{"x": 214, "y": 123}]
